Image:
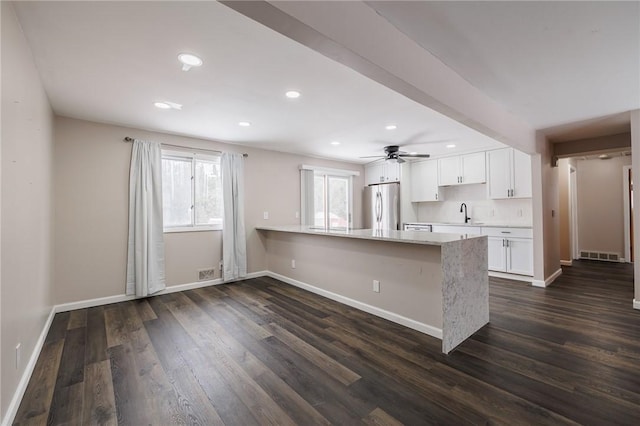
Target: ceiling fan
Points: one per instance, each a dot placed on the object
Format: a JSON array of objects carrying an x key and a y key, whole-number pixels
[{"x": 393, "y": 153}]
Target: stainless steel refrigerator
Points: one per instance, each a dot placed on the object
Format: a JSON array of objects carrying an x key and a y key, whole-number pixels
[{"x": 381, "y": 206}]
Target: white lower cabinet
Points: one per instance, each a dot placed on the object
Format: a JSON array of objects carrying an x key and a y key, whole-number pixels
[{"x": 510, "y": 250}]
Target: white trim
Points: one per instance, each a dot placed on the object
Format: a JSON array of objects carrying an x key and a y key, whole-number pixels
[
  {"x": 625, "y": 208},
  {"x": 636, "y": 304},
  {"x": 398, "y": 319},
  {"x": 508, "y": 276},
  {"x": 548, "y": 281},
  {"x": 82, "y": 304},
  {"x": 566, "y": 263},
  {"x": 12, "y": 410},
  {"x": 335, "y": 172}
]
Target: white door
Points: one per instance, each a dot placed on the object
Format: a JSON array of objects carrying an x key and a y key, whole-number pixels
[
  {"x": 521, "y": 174},
  {"x": 498, "y": 173},
  {"x": 449, "y": 171},
  {"x": 520, "y": 256},
  {"x": 473, "y": 168},
  {"x": 496, "y": 254}
]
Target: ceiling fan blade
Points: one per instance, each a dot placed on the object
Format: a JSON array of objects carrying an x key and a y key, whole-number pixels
[
  {"x": 374, "y": 156},
  {"x": 415, "y": 155},
  {"x": 400, "y": 160}
]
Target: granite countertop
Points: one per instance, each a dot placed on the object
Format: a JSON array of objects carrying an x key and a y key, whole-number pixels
[
  {"x": 411, "y": 237},
  {"x": 474, "y": 224}
]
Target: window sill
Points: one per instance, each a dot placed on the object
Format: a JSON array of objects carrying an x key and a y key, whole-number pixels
[{"x": 192, "y": 229}]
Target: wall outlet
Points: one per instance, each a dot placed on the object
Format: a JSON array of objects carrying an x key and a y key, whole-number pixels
[
  {"x": 376, "y": 286},
  {"x": 265, "y": 215},
  {"x": 293, "y": 264},
  {"x": 18, "y": 355},
  {"x": 206, "y": 274}
]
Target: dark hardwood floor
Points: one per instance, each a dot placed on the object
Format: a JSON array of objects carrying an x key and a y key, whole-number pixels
[{"x": 263, "y": 352}]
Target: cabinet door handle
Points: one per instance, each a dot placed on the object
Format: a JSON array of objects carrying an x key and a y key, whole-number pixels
[
  {"x": 436, "y": 196},
  {"x": 506, "y": 232},
  {"x": 503, "y": 242},
  {"x": 507, "y": 242}
]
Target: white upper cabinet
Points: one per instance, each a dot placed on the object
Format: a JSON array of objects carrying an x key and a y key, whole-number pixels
[
  {"x": 373, "y": 173},
  {"x": 521, "y": 175},
  {"x": 392, "y": 171},
  {"x": 509, "y": 174},
  {"x": 381, "y": 172},
  {"x": 424, "y": 181},
  {"x": 462, "y": 169}
]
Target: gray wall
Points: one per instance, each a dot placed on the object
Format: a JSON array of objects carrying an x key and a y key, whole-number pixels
[
  {"x": 91, "y": 193},
  {"x": 26, "y": 209},
  {"x": 600, "y": 204}
]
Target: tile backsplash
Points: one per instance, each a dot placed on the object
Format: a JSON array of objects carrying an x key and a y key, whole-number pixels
[{"x": 514, "y": 211}]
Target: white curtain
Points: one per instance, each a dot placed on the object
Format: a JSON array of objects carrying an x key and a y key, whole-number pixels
[
  {"x": 234, "y": 242},
  {"x": 145, "y": 263}
]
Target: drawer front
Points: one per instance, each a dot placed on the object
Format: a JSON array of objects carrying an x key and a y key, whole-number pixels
[{"x": 508, "y": 232}]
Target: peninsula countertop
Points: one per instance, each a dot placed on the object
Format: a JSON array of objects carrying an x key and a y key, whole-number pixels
[
  {"x": 475, "y": 224},
  {"x": 411, "y": 237}
]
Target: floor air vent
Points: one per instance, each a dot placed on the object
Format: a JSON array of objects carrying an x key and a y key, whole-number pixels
[
  {"x": 206, "y": 274},
  {"x": 596, "y": 255}
]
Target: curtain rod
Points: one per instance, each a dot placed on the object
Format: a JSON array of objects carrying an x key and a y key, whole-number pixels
[{"x": 129, "y": 139}]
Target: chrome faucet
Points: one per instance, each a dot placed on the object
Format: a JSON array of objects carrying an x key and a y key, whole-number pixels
[{"x": 466, "y": 218}]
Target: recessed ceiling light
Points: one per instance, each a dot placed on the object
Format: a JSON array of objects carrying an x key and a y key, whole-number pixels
[
  {"x": 335, "y": 143},
  {"x": 451, "y": 145},
  {"x": 391, "y": 127},
  {"x": 244, "y": 124},
  {"x": 188, "y": 60},
  {"x": 603, "y": 156},
  {"x": 167, "y": 105},
  {"x": 293, "y": 94}
]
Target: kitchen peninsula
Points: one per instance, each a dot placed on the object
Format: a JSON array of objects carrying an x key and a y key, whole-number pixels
[{"x": 432, "y": 282}]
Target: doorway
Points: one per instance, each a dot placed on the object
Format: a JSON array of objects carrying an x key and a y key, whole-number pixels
[
  {"x": 627, "y": 182},
  {"x": 573, "y": 213}
]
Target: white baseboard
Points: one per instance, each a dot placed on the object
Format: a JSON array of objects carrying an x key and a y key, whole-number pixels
[
  {"x": 566, "y": 263},
  {"x": 636, "y": 304},
  {"x": 12, "y": 409},
  {"x": 82, "y": 304},
  {"x": 393, "y": 317},
  {"x": 515, "y": 277},
  {"x": 547, "y": 282}
]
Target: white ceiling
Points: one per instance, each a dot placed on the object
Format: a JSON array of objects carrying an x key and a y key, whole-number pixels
[
  {"x": 548, "y": 62},
  {"x": 109, "y": 61}
]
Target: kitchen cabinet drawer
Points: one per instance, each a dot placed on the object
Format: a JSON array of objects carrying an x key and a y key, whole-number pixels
[{"x": 508, "y": 232}]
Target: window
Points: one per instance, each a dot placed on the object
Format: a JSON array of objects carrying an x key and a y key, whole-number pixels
[
  {"x": 191, "y": 192},
  {"x": 326, "y": 197}
]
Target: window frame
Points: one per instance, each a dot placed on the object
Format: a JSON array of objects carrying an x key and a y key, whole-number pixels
[
  {"x": 192, "y": 157},
  {"x": 306, "y": 193}
]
